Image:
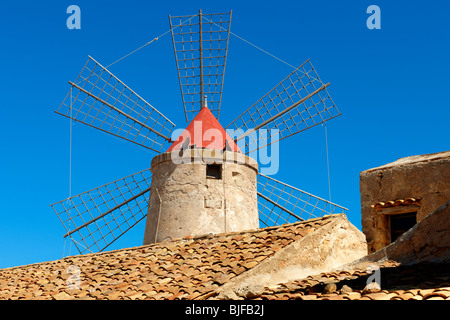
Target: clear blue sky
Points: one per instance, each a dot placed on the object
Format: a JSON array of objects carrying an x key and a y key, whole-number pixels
[{"x": 391, "y": 85}]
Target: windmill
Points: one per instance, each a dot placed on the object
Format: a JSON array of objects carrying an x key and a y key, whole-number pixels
[{"x": 96, "y": 218}]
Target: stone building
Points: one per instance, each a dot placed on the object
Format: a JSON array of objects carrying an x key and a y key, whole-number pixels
[{"x": 395, "y": 196}]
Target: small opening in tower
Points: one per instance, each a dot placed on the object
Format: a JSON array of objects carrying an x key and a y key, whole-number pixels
[{"x": 214, "y": 171}]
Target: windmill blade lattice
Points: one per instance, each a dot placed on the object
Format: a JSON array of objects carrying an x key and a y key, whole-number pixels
[
  {"x": 93, "y": 220},
  {"x": 96, "y": 218},
  {"x": 297, "y": 103},
  {"x": 280, "y": 203},
  {"x": 200, "y": 43},
  {"x": 100, "y": 100}
]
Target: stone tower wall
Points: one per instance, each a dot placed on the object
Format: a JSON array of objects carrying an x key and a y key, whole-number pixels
[{"x": 185, "y": 202}]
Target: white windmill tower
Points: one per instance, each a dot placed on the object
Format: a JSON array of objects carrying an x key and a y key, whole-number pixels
[{"x": 204, "y": 181}]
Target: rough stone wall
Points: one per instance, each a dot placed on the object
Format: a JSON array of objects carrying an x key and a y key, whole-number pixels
[
  {"x": 184, "y": 202},
  {"x": 428, "y": 240},
  {"x": 426, "y": 177}
]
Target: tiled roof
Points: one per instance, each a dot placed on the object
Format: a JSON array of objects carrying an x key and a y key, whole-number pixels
[
  {"x": 189, "y": 268},
  {"x": 399, "y": 202},
  {"x": 422, "y": 281}
]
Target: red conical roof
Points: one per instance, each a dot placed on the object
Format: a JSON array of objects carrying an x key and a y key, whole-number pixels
[{"x": 204, "y": 132}]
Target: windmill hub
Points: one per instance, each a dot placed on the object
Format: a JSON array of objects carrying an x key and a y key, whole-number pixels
[{"x": 203, "y": 184}]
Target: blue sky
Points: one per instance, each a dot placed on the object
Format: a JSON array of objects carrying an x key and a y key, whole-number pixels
[{"x": 391, "y": 86}]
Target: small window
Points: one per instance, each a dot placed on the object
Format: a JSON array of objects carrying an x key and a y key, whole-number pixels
[
  {"x": 400, "y": 223},
  {"x": 214, "y": 171}
]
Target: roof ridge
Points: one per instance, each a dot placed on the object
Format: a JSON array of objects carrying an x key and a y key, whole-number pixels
[{"x": 211, "y": 235}]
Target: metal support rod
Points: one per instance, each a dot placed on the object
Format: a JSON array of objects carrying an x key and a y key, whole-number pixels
[
  {"x": 107, "y": 212},
  {"x": 130, "y": 89},
  {"x": 282, "y": 112},
  {"x": 116, "y": 135},
  {"x": 121, "y": 234},
  {"x": 225, "y": 62},
  {"x": 201, "y": 58},
  {"x": 279, "y": 206},
  {"x": 178, "y": 68},
  {"x": 119, "y": 111}
]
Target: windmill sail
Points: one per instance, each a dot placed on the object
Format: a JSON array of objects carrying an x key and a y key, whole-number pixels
[
  {"x": 96, "y": 218},
  {"x": 297, "y": 103},
  {"x": 200, "y": 43},
  {"x": 100, "y": 100},
  {"x": 280, "y": 203}
]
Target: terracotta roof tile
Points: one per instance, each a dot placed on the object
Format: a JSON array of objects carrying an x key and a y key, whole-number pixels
[
  {"x": 194, "y": 268},
  {"x": 190, "y": 268},
  {"x": 398, "y": 282},
  {"x": 394, "y": 203}
]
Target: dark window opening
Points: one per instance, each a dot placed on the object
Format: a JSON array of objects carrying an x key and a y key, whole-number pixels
[
  {"x": 214, "y": 171},
  {"x": 400, "y": 223}
]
